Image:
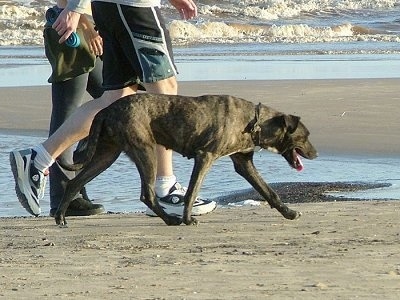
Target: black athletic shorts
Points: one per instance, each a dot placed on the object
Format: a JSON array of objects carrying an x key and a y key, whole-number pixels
[{"x": 137, "y": 45}]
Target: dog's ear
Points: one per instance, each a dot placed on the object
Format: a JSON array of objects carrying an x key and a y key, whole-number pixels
[
  {"x": 291, "y": 122},
  {"x": 252, "y": 127}
]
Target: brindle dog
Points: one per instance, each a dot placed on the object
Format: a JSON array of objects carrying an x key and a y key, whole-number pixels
[{"x": 204, "y": 128}]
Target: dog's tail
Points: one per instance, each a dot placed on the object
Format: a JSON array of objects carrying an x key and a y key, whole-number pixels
[{"x": 84, "y": 154}]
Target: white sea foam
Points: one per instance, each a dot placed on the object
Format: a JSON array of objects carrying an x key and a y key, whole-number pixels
[
  {"x": 183, "y": 32},
  {"x": 248, "y": 202},
  {"x": 21, "y": 25},
  {"x": 239, "y": 21}
]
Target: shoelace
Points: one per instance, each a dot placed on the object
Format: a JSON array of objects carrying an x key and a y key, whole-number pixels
[
  {"x": 180, "y": 188},
  {"x": 42, "y": 184}
]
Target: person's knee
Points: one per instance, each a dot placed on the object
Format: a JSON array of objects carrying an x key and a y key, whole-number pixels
[
  {"x": 167, "y": 86},
  {"x": 111, "y": 96}
]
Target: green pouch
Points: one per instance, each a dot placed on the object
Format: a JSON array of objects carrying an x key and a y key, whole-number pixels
[{"x": 67, "y": 62}]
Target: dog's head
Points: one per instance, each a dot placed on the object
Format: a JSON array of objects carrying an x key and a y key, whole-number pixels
[{"x": 283, "y": 134}]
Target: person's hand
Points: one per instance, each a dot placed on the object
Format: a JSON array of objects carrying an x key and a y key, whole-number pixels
[
  {"x": 187, "y": 8},
  {"x": 66, "y": 23},
  {"x": 94, "y": 40},
  {"x": 92, "y": 37}
]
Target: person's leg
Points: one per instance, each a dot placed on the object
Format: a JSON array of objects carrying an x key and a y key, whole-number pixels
[
  {"x": 95, "y": 89},
  {"x": 67, "y": 96},
  {"x": 30, "y": 166},
  {"x": 167, "y": 86},
  {"x": 77, "y": 126},
  {"x": 155, "y": 66},
  {"x": 126, "y": 59},
  {"x": 95, "y": 80},
  {"x": 169, "y": 192}
]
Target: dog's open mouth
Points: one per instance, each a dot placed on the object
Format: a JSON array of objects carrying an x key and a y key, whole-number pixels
[
  {"x": 297, "y": 163},
  {"x": 293, "y": 158}
]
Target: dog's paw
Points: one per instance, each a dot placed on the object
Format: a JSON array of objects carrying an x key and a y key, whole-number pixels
[
  {"x": 191, "y": 221},
  {"x": 173, "y": 221},
  {"x": 294, "y": 215},
  {"x": 291, "y": 214},
  {"x": 60, "y": 220},
  {"x": 298, "y": 215}
]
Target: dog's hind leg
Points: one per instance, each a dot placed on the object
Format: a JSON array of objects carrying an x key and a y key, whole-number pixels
[
  {"x": 202, "y": 164},
  {"x": 244, "y": 166},
  {"x": 102, "y": 159}
]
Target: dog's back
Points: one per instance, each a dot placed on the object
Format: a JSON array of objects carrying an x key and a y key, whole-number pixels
[{"x": 183, "y": 124}]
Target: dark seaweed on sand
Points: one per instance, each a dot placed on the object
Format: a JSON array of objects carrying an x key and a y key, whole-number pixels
[{"x": 303, "y": 192}]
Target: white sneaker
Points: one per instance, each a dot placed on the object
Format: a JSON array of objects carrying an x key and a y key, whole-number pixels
[
  {"x": 30, "y": 183},
  {"x": 173, "y": 203}
]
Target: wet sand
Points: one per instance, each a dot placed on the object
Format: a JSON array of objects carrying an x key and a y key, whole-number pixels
[
  {"x": 336, "y": 250},
  {"x": 345, "y": 116}
]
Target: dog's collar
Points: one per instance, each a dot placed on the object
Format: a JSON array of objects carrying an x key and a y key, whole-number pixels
[{"x": 256, "y": 128}]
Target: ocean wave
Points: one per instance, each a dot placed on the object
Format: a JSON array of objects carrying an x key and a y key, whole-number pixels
[
  {"x": 274, "y": 10},
  {"x": 232, "y": 21},
  {"x": 185, "y": 33},
  {"x": 21, "y": 25}
]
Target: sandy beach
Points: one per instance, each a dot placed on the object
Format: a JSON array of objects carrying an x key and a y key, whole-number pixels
[{"x": 336, "y": 250}]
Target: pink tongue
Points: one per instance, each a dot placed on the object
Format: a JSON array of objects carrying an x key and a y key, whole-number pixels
[{"x": 300, "y": 166}]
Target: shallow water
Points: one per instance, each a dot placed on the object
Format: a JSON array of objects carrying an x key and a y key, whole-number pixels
[
  {"x": 27, "y": 67},
  {"x": 118, "y": 187}
]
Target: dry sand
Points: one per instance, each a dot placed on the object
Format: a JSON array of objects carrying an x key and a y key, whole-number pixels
[{"x": 336, "y": 250}]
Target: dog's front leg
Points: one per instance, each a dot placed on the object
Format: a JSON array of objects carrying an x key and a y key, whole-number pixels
[
  {"x": 148, "y": 198},
  {"x": 201, "y": 166},
  {"x": 146, "y": 163},
  {"x": 244, "y": 166}
]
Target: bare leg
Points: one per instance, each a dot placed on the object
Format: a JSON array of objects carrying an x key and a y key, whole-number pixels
[
  {"x": 164, "y": 161},
  {"x": 167, "y": 86},
  {"x": 77, "y": 126}
]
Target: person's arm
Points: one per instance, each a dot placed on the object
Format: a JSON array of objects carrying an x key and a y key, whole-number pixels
[{"x": 68, "y": 20}]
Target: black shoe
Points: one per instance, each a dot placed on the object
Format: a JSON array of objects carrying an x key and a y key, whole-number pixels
[{"x": 81, "y": 207}]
